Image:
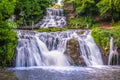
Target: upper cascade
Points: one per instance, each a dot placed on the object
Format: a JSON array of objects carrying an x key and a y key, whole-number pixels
[
  {"x": 59, "y": 2},
  {"x": 54, "y": 18}
]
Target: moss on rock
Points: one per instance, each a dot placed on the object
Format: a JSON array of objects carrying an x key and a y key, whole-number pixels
[
  {"x": 51, "y": 29},
  {"x": 73, "y": 52}
]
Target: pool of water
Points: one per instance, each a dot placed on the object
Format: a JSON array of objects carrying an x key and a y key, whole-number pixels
[{"x": 62, "y": 73}]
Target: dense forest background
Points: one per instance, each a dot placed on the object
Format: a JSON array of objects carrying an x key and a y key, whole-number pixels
[{"x": 84, "y": 14}]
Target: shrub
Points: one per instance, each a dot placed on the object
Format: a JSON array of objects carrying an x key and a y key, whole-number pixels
[
  {"x": 102, "y": 37},
  {"x": 82, "y": 22},
  {"x": 51, "y": 29}
]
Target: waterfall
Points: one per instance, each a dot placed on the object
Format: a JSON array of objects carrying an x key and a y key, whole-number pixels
[
  {"x": 90, "y": 51},
  {"x": 48, "y": 49},
  {"x": 40, "y": 49},
  {"x": 59, "y": 2},
  {"x": 113, "y": 53},
  {"x": 53, "y": 18}
]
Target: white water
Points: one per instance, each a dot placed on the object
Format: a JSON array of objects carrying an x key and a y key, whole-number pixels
[
  {"x": 59, "y": 2},
  {"x": 47, "y": 49},
  {"x": 111, "y": 51},
  {"x": 53, "y": 18},
  {"x": 90, "y": 51},
  {"x": 53, "y": 57}
]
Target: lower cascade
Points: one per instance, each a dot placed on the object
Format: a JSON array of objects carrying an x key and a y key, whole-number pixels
[{"x": 50, "y": 49}]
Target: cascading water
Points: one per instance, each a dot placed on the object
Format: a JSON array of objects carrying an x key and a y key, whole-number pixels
[
  {"x": 32, "y": 50},
  {"x": 111, "y": 51},
  {"x": 59, "y": 2},
  {"x": 48, "y": 49},
  {"x": 54, "y": 18},
  {"x": 113, "y": 54},
  {"x": 90, "y": 51}
]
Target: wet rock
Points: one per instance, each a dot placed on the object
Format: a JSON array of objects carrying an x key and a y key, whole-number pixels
[
  {"x": 73, "y": 52},
  {"x": 104, "y": 55},
  {"x": 115, "y": 60},
  {"x": 7, "y": 75},
  {"x": 118, "y": 50}
]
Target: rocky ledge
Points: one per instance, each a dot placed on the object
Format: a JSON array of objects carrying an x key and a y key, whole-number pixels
[{"x": 73, "y": 51}]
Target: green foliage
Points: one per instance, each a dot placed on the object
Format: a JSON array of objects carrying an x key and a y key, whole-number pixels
[
  {"x": 109, "y": 8},
  {"x": 27, "y": 11},
  {"x": 104, "y": 6},
  {"x": 8, "y": 38},
  {"x": 51, "y": 29},
  {"x": 116, "y": 23},
  {"x": 73, "y": 41},
  {"x": 102, "y": 37},
  {"x": 11, "y": 23},
  {"x": 82, "y": 22},
  {"x": 105, "y": 9},
  {"x": 115, "y": 33},
  {"x": 84, "y": 7},
  {"x": 6, "y": 8}
]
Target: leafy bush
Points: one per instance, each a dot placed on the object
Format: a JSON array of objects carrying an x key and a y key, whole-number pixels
[
  {"x": 8, "y": 38},
  {"x": 115, "y": 33},
  {"x": 82, "y": 22},
  {"x": 8, "y": 41},
  {"x": 102, "y": 37},
  {"x": 109, "y": 8},
  {"x": 84, "y": 7},
  {"x": 27, "y": 11}
]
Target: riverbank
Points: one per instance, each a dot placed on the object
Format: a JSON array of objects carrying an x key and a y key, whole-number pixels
[{"x": 7, "y": 75}]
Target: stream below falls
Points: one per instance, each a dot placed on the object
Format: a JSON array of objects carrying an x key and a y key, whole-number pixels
[{"x": 61, "y": 73}]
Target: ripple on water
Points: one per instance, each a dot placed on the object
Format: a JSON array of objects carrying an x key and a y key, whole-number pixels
[{"x": 67, "y": 73}]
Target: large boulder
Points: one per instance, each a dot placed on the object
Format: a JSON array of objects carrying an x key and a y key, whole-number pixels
[{"x": 73, "y": 51}]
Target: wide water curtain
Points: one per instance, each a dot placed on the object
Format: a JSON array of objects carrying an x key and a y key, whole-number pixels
[{"x": 49, "y": 49}]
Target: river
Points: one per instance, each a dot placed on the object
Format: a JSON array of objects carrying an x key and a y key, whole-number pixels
[{"x": 61, "y": 73}]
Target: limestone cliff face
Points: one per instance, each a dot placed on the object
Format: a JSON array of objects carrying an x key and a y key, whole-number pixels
[{"x": 73, "y": 51}]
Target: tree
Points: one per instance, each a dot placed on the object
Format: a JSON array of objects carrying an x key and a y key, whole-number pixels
[
  {"x": 84, "y": 7},
  {"x": 7, "y": 8},
  {"x": 31, "y": 10},
  {"x": 8, "y": 38},
  {"x": 109, "y": 8}
]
